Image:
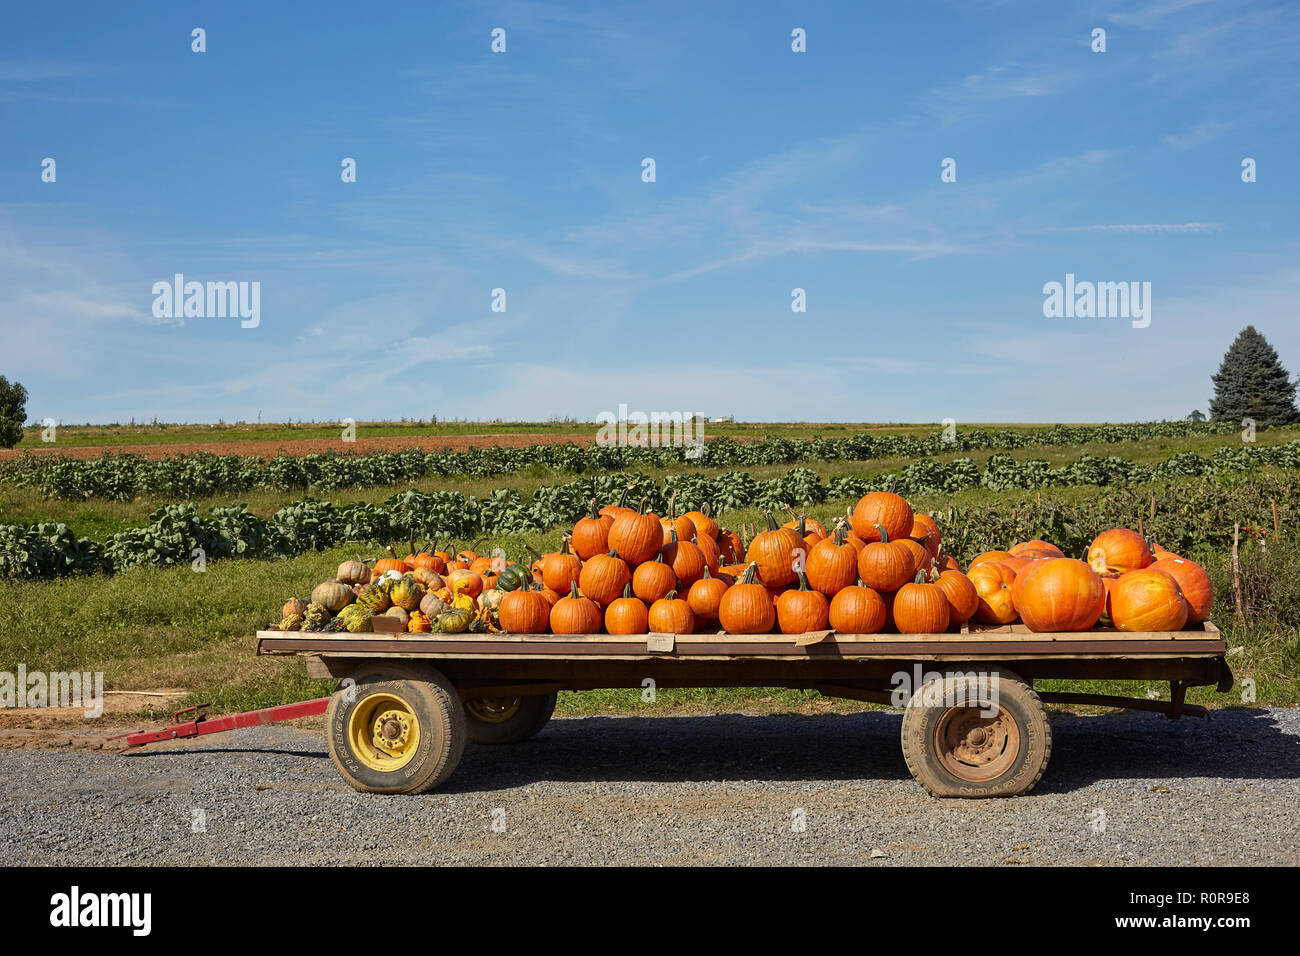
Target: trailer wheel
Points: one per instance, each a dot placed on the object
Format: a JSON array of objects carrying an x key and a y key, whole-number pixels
[
  {"x": 400, "y": 730},
  {"x": 954, "y": 749},
  {"x": 507, "y": 720}
]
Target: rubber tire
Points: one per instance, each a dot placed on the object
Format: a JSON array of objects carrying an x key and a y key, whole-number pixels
[
  {"x": 1018, "y": 699},
  {"x": 436, "y": 705},
  {"x": 534, "y": 711}
]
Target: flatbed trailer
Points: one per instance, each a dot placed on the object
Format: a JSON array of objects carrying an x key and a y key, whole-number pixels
[{"x": 973, "y": 725}]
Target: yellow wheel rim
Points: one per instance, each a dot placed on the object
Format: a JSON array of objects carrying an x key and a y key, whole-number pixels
[
  {"x": 494, "y": 710},
  {"x": 384, "y": 732}
]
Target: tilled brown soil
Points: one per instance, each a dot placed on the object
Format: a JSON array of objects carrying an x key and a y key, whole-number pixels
[{"x": 306, "y": 446}]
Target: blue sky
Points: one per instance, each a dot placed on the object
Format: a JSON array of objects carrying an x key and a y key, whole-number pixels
[{"x": 775, "y": 170}]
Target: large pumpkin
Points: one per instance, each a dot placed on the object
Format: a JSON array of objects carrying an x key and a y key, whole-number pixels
[
  {"x": 857, "y": 609},
  {"x": 990, "y": 556},
  {"x": 1035, "y": 548},
  {"x": 353, "y": 572},
  {"x": 799, "y": 610},
  {"x": 993, "y": 585},
  {"x": 1119, "y": 550},
  {"x": 703, "y": 521},
  {"x": 1060, "y": 594},
  {"x": 1195, "y": 584},
  {"x": 1147, "y": 600},
  {"x": 772, "y": 553},
  {"x": 882, "y": 509},
  {"x": 746, "y": 607}
]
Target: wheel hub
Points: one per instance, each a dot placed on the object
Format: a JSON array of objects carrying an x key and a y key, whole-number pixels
[{"x": 975, "y": 747}]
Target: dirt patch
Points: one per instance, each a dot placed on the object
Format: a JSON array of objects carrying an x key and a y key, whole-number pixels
[
  {"x": 51, "y": 727},
  {"x": 298, "y": 447}
]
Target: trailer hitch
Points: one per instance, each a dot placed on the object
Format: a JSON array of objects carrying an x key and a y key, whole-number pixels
[{"x": 201, "y": 725}]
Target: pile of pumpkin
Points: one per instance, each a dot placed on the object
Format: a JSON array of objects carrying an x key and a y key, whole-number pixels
[
  {"x": 427, "y": 591},
  {"x": 881, "y": 567}
]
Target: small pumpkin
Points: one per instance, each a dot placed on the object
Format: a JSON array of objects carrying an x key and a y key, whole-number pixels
[
  {"x": 685, "y": 558},
  {"x": 832, "y": 563},
  {"x": 653, "y": 579},
  {"x": 576, "y": 614},
  {"x": 799, "y": 610},
  {"x": 418, "y": 623},
  {"x": 353, "y": 572},
  {"x": 926, "y": 533},
  {"x": 627, "y": 614},
  {"x": 963, "y": 601},
  {"x": 878, "y": 509},
  {"x": 406, "y": 594},
  {"x": 432, "y": 605},
  {"x": 524, "y": 611},
  {"x": 603, "y": 578},
  {"x": 920, "y": 608},
  {"x": 294, "y": 606},
  {"x": 885, "y": 564},
  {"x": 560, "y": 568},
  {"x": 772, "y": 553},
  {"x": 513, "y": 576},
  {"x": 746, "y": 607},
  {"x": 454, "y": 620},
  {"x": 857, "y": 609},
  {"x": 705, "y": 597},
  {"x": 671, "y": 615},
  {"x": 703, "y": 521},
  {"x": 636, "y": 536},
  {"x": 591, "y": 534}
]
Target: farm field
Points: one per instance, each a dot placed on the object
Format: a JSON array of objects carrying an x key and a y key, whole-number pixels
[{"x": 167, "y": 627}]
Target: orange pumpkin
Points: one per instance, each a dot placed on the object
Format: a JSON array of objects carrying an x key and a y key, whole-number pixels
[
  {"x": 926, "y": 531},
  {"x": 463, "y": 579},
  {"x": 671, "y": 615},
  {"x": 990, "y": 556},
  {"x": 603, "y": 578},
  {"x": 1194, "y": 583},
  {"x": 559, "y": 570},
  {"x": 636, "y": 536},
  {"x": 653, "y": 579},
  {"x": 1147, "y": 600},
  {"x": 685, "y": 558},
  {"x": 963, "y": 601},
  {"x": 627, "y": 615},
  {"x": 705, "y": 597},
  {"x": 746, "y": 607},
  {"x": 1059, "y": 594},
  {"x": 772, "y": 553},
  {"x": 993, "y": 583},
  {"x": 885, "y": 564},
  {"x": 591, "y": 534},
  {"x": 1119, "y": 550},
  {"x": 857, "y": 609},
  {"x": 575, "y": 614},
  {"x": 832, "y": 563},
  {"x": 703, "y": 521},
  {"x": 920, "y": 608},
  {"x": 524, "y": 611},
  {"x": 1035, "y": 546},
  {"x": 881, "y": 509},
  {"x": 799, "y": 610}
]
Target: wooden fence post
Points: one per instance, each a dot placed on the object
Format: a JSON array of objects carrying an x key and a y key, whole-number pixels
[{"x": 1236, "y": 571}]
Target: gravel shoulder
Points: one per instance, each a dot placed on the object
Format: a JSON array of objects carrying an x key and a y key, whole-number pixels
[{"x": 727, "y": 789}]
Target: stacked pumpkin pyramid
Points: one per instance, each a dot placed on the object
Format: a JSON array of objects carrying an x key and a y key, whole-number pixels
[{"x": 881, "y": 567}]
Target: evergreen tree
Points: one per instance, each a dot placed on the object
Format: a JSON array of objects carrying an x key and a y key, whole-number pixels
[
  {"x": 1196, "y": 415},
  {"x": 1251, "y": 383},
  {"x": 13, "y": 412}
]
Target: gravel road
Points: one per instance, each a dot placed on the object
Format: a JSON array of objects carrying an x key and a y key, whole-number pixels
[{"x": 668, "y": 790}]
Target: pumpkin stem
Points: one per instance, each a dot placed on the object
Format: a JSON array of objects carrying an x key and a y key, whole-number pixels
[
  {"x": 592, "y": 511},
  {"x": 672, "y": 506},
  {"x": 573, "y": 590},
  {"x": 841, "y": 533},
  {"x": 748, "y": 576},
  {"x": 566, "y": 542},
  {"x": 474, "y": 547},
  {"x": 622, "y": 499},
  {"x": 627, "y": 590},
  {"x": 706, "y": 575},
  {"x": 671, "y": 595},
  {"x": 706, "y": 509},
  {"x": 641, "y": 508},
  {"x": 770, "y": 519},
  {"x": 803, "y": 581},
  {"x": 529, "y": 548},
  {"x": 884, "y": 535}
]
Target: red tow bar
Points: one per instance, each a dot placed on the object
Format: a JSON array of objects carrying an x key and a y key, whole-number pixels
[{"x": 201, "y": 725}]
